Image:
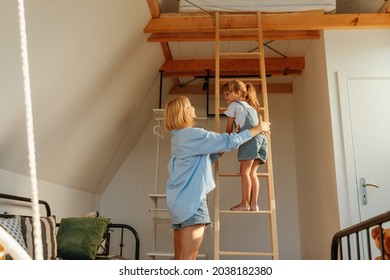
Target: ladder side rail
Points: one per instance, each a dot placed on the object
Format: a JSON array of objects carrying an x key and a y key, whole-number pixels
[
  {"x": 217, "y": 129},
  {"x": 270, "y": 181}
]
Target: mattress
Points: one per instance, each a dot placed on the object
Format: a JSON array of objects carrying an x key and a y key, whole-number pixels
[{"x": 256, "y": 5}]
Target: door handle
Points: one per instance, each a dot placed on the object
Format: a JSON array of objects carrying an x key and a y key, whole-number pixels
[{"x": 363, "y": 189}]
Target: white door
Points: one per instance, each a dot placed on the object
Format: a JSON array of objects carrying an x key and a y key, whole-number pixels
[{"x": 365, "y": 112}]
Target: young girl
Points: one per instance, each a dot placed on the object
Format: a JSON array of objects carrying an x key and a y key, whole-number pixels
[
  {"x": 193, "y": 150},
  {"x": 243, "y": 108}
]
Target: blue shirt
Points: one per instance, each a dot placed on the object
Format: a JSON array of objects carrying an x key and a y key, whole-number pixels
[{"x": 193, "y": 150}]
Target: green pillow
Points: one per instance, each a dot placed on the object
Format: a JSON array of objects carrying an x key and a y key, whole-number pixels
[{"x": 80, "y": 238}]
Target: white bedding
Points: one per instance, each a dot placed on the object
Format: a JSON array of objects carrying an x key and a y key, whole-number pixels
[{"x": 256, "y": 5}]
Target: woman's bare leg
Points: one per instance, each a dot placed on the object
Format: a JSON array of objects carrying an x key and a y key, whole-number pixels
[{"x": 187, "y": 242}]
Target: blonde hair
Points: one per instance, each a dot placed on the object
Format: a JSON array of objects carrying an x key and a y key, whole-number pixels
[
  {"x": 176, "y": 115},
  {"x": 247, "y": 92}
]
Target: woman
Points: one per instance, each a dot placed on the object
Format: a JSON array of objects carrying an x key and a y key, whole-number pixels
[{"x": 193, "y": 150}]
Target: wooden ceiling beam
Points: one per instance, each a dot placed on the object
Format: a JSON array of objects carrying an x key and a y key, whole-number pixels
[
  {"x": 232, "y": 67},
  {"x": 184, "y": 27},
  {"x": 235, "y": 73},
  {"x": 154, "y": 7},
  {"x": 186, "y": 23},
  {"x": 168, "y": 56},
  {"x": 268, "y": 35},
  {"x": 385, "y": 8},
  {"x": 198, "y": 89}
]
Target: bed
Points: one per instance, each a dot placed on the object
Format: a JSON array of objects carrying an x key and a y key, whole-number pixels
[
  {"x": 72, "y": 238},
  {"x": 256, "y": 5}
]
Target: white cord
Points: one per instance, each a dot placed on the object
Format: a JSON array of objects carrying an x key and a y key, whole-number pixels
[
  {"x": 30, "y": 133},
  {"x": 157, "y": 130}
]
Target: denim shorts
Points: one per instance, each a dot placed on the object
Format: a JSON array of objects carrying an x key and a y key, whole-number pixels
[
  {"x": 256, "y": 148},
  {"x": 200, "y": 217}
]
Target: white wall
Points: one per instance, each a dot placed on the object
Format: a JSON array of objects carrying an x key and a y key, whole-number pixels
[
  {"x": 318, "y": 209},
  {"x": 324, "y": 206},
  {"x": 351, "y": 50},
  {"x": 127, "y": 196},
  {"x": 64, "y": 202}
]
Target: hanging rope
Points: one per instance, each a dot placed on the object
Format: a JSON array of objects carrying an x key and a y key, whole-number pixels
[
  {"x": 30, "y": 133},
  {"x": 159, "y": 132}
]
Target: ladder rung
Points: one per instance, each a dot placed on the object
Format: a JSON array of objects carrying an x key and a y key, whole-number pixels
[
  {"x": 229, "y": 79},
  {"x": 222, "y": 109},
  {"x": 245, "y": 212},
  {"x": 239, "y": 31},
  {"x": 171, "y": 255},
  {"x": 234, "y": 253},
  {"x": 156, "y": 196},
  {"x": 237, "y": 174},
  {"x": 160, "y": 254},
  {"x": 240, "y": 55},
  {"x": 245, "y": 80},
  {"x": 252, "y": 80},
  {"x": 158, "y": 220}
]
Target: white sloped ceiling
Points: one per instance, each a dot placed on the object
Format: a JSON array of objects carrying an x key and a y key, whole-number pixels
[{"x": 91, "y": 73}]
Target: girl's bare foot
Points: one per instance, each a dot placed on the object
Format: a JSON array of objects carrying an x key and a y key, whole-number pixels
[
  {"x": 240, "y": 207},
  {"x": 254, "y": 208}
]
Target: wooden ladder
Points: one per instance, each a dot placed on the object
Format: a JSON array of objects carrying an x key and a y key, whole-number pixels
[{"x": 227, "y": 29}]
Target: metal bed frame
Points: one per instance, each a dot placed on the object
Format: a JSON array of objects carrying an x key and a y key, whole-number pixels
[
  {"x": 361, "y": 235},
  {"x": 105, "y": 247}
]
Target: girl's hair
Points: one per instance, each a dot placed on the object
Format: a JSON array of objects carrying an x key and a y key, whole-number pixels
[
  {"x": 251, "y": 97},
  {"x": 176, "y": 114},
  {"x": 248, "y": 92}
]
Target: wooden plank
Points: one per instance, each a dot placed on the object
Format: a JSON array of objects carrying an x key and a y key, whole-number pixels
[
  {"x": 166, "y": 50},
  {"x": 385, "y": 7},
  {"x": 326, "y": 22},
  {"x": 239, "y": 73},
  {"x": 168, "y": 56},
  {"x": 197, "y": 89},
  {"x": 242, "y": 55},
  {"x": 273, "y": 64},
  {"x": 268, "y": 35},
  {"x": 190, "y": 23},
  {"x": 154, "y": 7}
]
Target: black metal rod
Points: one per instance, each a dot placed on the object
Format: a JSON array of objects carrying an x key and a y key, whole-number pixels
[
  {"x": 25, "y": 199},
  {"x": 349, "y": 247},
  {"x": 136, "y": 236},
  {"x": 381, "y": 241},
  {"x": 207, "y": 92},
  {"x": 358, "y": 246},
  {"x": 368, "y": 243},
  {"x": 161, "y": 83}
]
